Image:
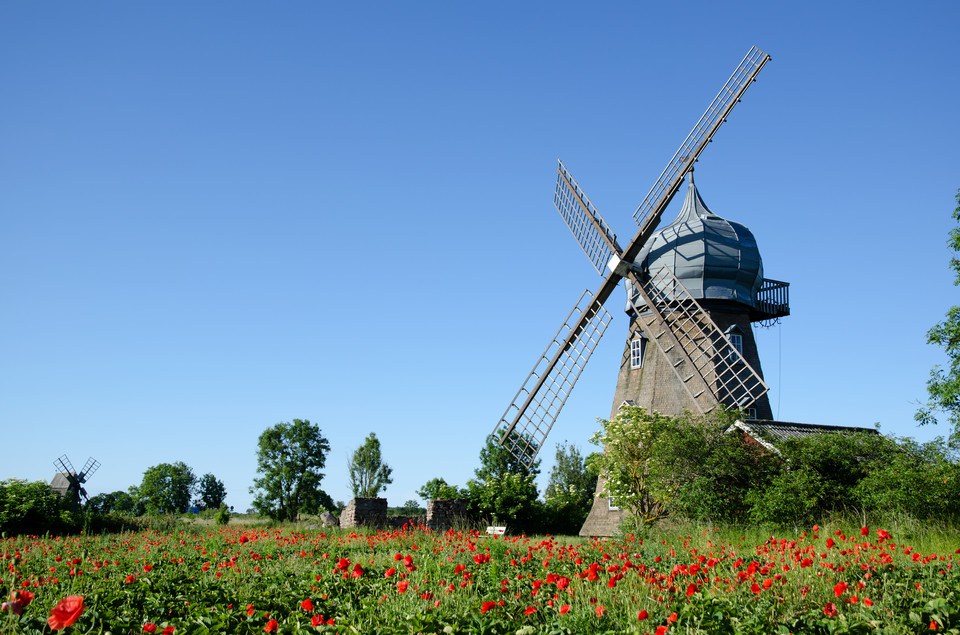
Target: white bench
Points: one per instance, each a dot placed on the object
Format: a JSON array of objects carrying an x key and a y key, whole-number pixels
[{"x": 496, "y": 531}]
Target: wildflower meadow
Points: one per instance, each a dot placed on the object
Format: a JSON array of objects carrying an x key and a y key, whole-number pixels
[{"x": 238, "y": 579}]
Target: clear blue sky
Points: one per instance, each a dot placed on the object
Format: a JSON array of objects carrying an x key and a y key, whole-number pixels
[{"x": 218, "y": 216}]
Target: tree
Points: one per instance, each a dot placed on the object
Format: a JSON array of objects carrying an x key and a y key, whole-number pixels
[
  {"x": 115, "y": 502},
  {"x": 504, "y": 490},
  {"x": 166, "y": 488},
  {"x": 210, "y": 492},
  {"x": 34, "y": 508},
  {"x": 369, "y": 475},
  {"x": 569, "y": 492},
  {"x": 289, "y": 459},
  {"x": 943, "y": 387},
  {"x": 437, "y": 488}
]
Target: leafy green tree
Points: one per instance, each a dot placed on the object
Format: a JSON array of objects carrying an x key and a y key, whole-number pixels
[
  {"x": 369, "y": 475},
  {"x": 290, "y": 457},
  {"x": 210, "y": 492},
  {"x": 118, "y": 502},
  {"x": 166, "y": 488},
  {"x": 496, "y": 461},
  {"x": 569, "y": 492},
  {"x": 437, "y": 488},
  {"x": 34, "y": 508},
  {"x": 943, "y": 386},
  {"x": 504, "y": 490}
]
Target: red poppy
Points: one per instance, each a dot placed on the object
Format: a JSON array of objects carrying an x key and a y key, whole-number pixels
[
  {"x": 23, "y": 598},
  {"x": 357, "y": 571},
  {"x": 130, "y": 578},
  {"x": 864, "y": 531},
  {"x": 600, "y": 610},
  {"x": 148, "y": 567},
  {"x": 672, "y": 618},
  {"x": 642, "y": 615},
  {"x": 933, "y": 625},
  {"x": 486, "y": 606},
  {"x": 840, "y": 589},
  {"x": 564, "y": 609},
  {"x": 271, "y": 626},
  {"x": 307, "y": 605},
  {"x": 389, "y": 572},
  {"x": 661, "y": 630},
  {"x": 316, "y": 620},
  {"x": 868, "y": 601},
  {"x": 168, "y": 630},
  {"x": 149, "y": 627},
  {"x": 530, "y": 610},
  {"x": 66, "y": 612},
  {"x": 402, "y": 586},
  {"x": 691, "y": 589},
  {"x": 830, "y": 610}
]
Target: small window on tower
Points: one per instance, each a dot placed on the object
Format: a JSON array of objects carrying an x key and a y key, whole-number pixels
[
  {"x": 638, "y": 347},
  {"x": 735, "y": 335}
]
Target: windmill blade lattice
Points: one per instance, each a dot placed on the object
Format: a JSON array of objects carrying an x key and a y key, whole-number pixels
[
  {"x": 702, "y": 133},
  {"x": 533, "y": 411},
  {"x": 709, "y": 367},
  {"x": 588, "y": 227}
]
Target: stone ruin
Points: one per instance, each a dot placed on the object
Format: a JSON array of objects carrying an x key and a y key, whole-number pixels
[{"x": 442, "y": 514}]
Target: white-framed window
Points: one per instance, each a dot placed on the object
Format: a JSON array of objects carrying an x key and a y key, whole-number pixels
[
  {"x": 638, "y": 347},
  {"x": 612, "y": 505},
  {"x": 735, "y": 335}
]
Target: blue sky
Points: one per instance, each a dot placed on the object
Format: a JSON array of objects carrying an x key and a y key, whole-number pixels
[{"x": 217, "y": 217}]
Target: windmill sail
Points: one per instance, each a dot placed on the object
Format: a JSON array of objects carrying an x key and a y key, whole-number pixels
[
  {"x": 529, "y": 417},
  {"x": 534, "y": 409}
]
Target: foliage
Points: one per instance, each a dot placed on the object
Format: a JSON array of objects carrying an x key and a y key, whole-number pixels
[
  {"x": 223, "y": 515},
  {"x": 496, "y": 461},
  {"x": 569, "y": 492},
  {"x": 32, "y": 507},
  {"x": 369, "y": 475},
  {"x": 836, "y": 579},
  {"x": 210, "y": 492},
  {"x": 166, "y": 488},
  {"x": 118, "y": 502},
  {"x": 943, "y": 387},
  {"x": 409, "y": 508},
  {"x": 504, "y": 490},
  {"x": 437, "y": 488},
  {"x": 629, "y": 443},
  {"x": 289, "y": 459}
]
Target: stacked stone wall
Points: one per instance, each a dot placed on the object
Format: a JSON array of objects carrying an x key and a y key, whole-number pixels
[
  {"x": 446, "y": 513},
  {"x": 360, "y": 512}
]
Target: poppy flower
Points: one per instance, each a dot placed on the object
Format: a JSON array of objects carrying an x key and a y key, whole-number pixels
[
  {"x": 307, "y": 605},
  {"x": 316, "y": 620},
  {"x": 642, "y": 615},
  {"x": 168, "y": 630},
  {"x": 530, "y": 610},
  {"x": 486, "y": 606},
  {"x": 661, "y": 630},
  {"x": 402, "y": 586},
  {"x": 564, "y": 609},
  {"x": 149, "y": 627},
  {"x": 389, "y": 572},
  {"x": 66, "y": 612},
  {"x": 600, "y": 610},
  {"x": 23, "y": 598},
  {"x": 271, "y": 626},
  {"x": 830, "y": 610},
  {"x": 130, "y": 578},
  {"x": 357, "y": 571},
  {"x": 839, "y": 589}
]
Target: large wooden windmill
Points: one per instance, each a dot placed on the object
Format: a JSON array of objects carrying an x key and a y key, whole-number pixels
[{"x": 707, "y": 362}]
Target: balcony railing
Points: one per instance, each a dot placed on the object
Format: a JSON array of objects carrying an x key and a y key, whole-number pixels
[{"x": 773, "y": 300}]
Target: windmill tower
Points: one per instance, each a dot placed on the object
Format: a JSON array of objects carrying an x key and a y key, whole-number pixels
[
  {"x": 705, "y": 354},
  {"x": 68, "y": 482}
]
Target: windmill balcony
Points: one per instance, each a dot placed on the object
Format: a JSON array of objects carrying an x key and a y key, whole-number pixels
[{"x": 773, "y": 300}]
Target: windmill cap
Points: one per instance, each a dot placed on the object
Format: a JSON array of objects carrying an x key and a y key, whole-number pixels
[{"x": 713, "y": 258}]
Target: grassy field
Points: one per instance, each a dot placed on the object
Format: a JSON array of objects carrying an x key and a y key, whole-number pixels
[{"x": 249, "y": 579}]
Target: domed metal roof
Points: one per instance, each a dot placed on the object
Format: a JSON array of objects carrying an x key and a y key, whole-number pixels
[{"x": 714, "y": 258}]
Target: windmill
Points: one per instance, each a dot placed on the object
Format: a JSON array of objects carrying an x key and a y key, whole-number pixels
[
  {"x": 707, "y": 366},
  {"x": 68, "y": 482}
]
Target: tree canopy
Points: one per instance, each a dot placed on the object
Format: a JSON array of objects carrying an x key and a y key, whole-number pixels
[
  {"x": 369, "y": 475},
  {"x": 569, "y": 492},
  {"x": 290, "y": 457},
  {"x": 943, "y": 386},
  {"x": 166, "y": 488},
  {"x": 210, "y": 492}
]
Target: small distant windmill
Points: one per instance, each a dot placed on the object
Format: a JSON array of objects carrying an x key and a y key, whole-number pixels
[
  {"x": 68, "y": 482},
  {"x": 707, "y": 364}
]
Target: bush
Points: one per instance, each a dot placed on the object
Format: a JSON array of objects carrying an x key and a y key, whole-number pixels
[
  {"x": 33, "y": 508},
  {"x": 223, "y": 515}
]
